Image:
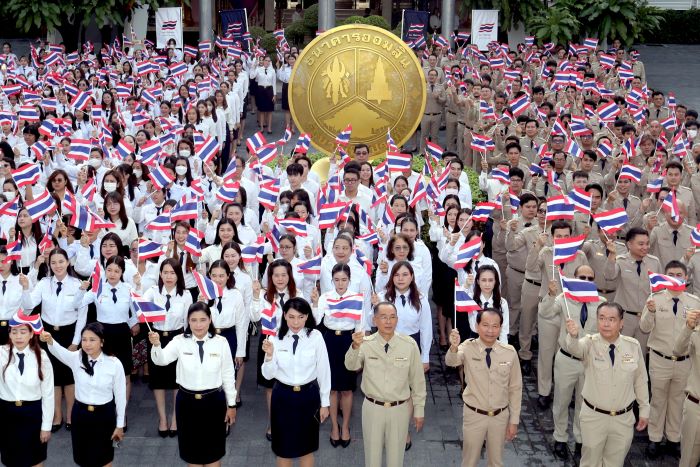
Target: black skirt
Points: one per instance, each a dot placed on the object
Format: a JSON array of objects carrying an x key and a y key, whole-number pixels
[
  {"x": 201, "y": 430},
  {"x": 62, "y": 375},
  {"x": 230, "y": 335},
  {"x": 162, "y": 377},
  {"x": 91, "y": 433},
  {"x": 19, "y": 434},
  {"x": 262, "y": 381},
  {"x": 295, "y": 420},
  {"x": 118, "y": 343},
  {"x": 4, "y": 333},
  {"x": 342, "y": 379},
  {"x": 285, "y": 96},
  {"x": 264, "y": 99}
]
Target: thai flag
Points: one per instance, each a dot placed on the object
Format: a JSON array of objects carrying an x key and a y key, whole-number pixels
[
  {"x": 98, "y": 222},
  {"x": 147, "y": 312},
  {"x": 611, "y": 221},
  {"x": 89, "y": 190},
  {"x": 659, "y": 282},
  {"x": 590, "y": 43},
  {"x": 607, "y": 61},
  {"x": 254, "y": 142},
  {"x": 419, "y": 192},
  {"x": 581, "y": 199},
  {"x": 372, "y": 238},
  {"x": 268, "y": 321},
  {"x": 10, "y": 208},
  {"x": 193, "y": 242},
  {"x": 468, "y": 251},
  {"x": 433, "y": 150},
  {"x": 303, "y": 143},
  {"x": 482, "y": 211},
  {"x": 14, "y": 251},
  {"x": 253, "y": 253},
  {"x": 34, "y": 321},
  {"x": 207, "y": 150},
  {"x": 312, "y": 266},
  {"x": 482, "y": 143},
  {"x": 486, "y": 27},
  {"x": 49, "y": 104},
  {"x": 123, "y": 90},
  {"x": 536, "y": 170},
  {"x": 608, "y": 112},
  {"x": 670, "y": 205},
  {"x": 670, "y": 123},
  {"x": 605, "y": 148},
  {"x": 486, "y": 110},
  {"x": 207, "y": 287},
  {"x": 398, "y": 162},
  {"x": 81, "y": 100},
  {"x": 579, "y": 290},
  {"x": 442, "y": 42},
  {"x": 204, "y": 47},
  {"x": 11, "y": 89},
  {"x": 40, "y": 206},
  {"x": 349, "y": 306},
  {"x": 501, "y": 175},
  {"x": 519, "y": 105},
  {"x": 630, "y": 172},
  {"x": 28, "y": 174},
  {"x": 190, "y": 50},
  {"x": 285, "y": 139},
  {"x": 695, "y": 236},
  {"x": 330, "y": 213},
  {"x": 496, "y": 63},
  {"x": 343, "y": 138},
  {"x": 388, "y": 218},
  {"x": 178, "y": 69},
  {"x": 294, "y": 225},
  {"x": 514, "y": 202},
  {"x": 654, "y": 186},
  {"x": 559, "y": 208},
  {"x": 160, "y": 178},
  {"x": 565, "y": 249},
  {"x": 269, "y": 193},
  {"x": 28, "y": 113},
  {"x": 184, "y": 211},
  {"x": 463, "y": 302},
  {"x": 39, "y": 149},
  {"x": 148, "y": 249},
  {"x": 124, "y": 149},
  {"x": 30, "y": 96},
  {"x": 573, "y": 148},
  {"x": 148, "y": 98},
  {"x": 160, "y": 223},
  {"x": 364, "y": 261},
  {"x": 266, "y": 153},
  {"x": 150, "y": 153},
  {"x": 228, "y": 191}
]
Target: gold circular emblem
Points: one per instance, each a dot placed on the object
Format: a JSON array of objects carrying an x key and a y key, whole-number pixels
[{"x": 359, "y": 75}]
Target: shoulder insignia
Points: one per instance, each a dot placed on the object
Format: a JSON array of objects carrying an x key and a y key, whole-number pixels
[
  {"x": 629, "y": 339},
  {"x": 694, "y": 297},
  {"x": 370, "y": 337}
]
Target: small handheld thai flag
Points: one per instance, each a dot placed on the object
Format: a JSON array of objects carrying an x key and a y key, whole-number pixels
[
  {"x": 670, "y": 205},
  {"x": 147, "y": 312},
  {"x": 14, "y": 251},
  {"x": 253, "y": 253},
  {"x": 343, "y": 138},
  {"x": 463, "y": 302},
  {"x": 330, "y": 213},
  {"x": 160, "y": 177},
  {"x": 630, "y": 172},
  {"x": 659, "y": 282},
  {"x": 519, "y": 105},
  {"x": 611, "y": 221},
  {"x": 11, "y": 208},
  {"x": 482, "y": 143},
  {"x": 42, "y": 205},
  {"x": 79, "y": 150},
  {"x": 482, "y": 211},
  {"x": 364, "y": 261},
  {"x": 193, "y": 242},
  {"x": 695, "y": 236},
  {"x": 266, "y": 153},
  {"x": 124, "y": 149},
  {"x": 184, "y": 210},
  {"x": 303, "y": 143},
  {"x": 34, "y": 321},
  {"x": 398, "y": 162},
  {"x": 372, "y": 238},
  {"x": 581, "y": 199},
  {"x": 28, "y": 174},
  {"x": 605, "y": 148},
  {"x": 536, "y": 170},
  {"x": 565, "y": 249},
  {"x": 254, "y": 142},
  {"x": 285, "y": 139},
  {"x": 559, "y": 208},
  {"x": 269, "y": 192},
  {"x": 161, "y": 223},
  {"x": 608, "y": 112},
  {"x": 579, "y": 290},
  {"x": 228, "y": 191},
  {"x": 148, "y": 249},
  {"x": 501, "y": 175},
  {"x": 349, "y": 306},
  {"x": 207, "y": 287},
  {"x": 468, "y": 251},
  {"x": 312, "y": 266},
  {"x": 433, "y": 150},
  {"x": 268, "y": 321},
  {"x": 654, "y": 186},
  {"x": 294, "y": 225}
]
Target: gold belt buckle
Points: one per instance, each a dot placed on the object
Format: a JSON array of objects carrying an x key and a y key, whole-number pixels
[
  {"x": 57, "y": 328},
  {"x": 3, "y": 323},
  {"x": 338, "y": 333},
  {"x": 198, "y": 396},
  {"x": 674, "y": 358},
  {"x": 166, "y": 333},
  {"x": 490, "y": 414},
  {"x": 296, "y": 389},
  {"x": 387, "y": 404},
  {"x": 91, "y": 408},
  {"x": 613, "y": 413},
  {"x": 218, "y": 330},
  {"x": 18, "y": 403}
]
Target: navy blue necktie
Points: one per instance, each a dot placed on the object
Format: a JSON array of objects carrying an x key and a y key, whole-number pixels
[
  {"x": 612, "y": 354},
  {"x": 386, "y": 348},
  {"x": 675, "y": 237},
  {"x": 584, "y": 315},
  {"x": 92, "y": 251},
  {"x": 675, "y": 305},
  {"x": 58, "y": 289},
  {"x": 403, "y": 300},
  {"x": 201, "y": 351},
  {"x": 639, "y": 267},
  {"x": 167, "y": 302},
  {"x": 296, "y": 342},
  {"x": 20, "y": 365},
  {"x": 114, "y": 295},
  {"x": 488, "y": 356}
]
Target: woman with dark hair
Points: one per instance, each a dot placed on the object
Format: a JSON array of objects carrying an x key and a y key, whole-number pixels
[
  {"x": 112, "y": 182},
  {"x": 229, "y": 317},
  {"x": 280, "y": 288},
  {"x": 99, "y": 412},
  {"x": 58, "y": 182},
  {"x": 176, "y": 250},
  {"x": 10, "y": 293},
  {"x": 487, "y": 293},
  {"x": 115, "y": 212},
  {"x": 26, "y": 376},
  {"x": 171, "y": 295},
  {"x": 31, "y": 236},
  {"x": 450, "y": 250},
  {"x": 204, "y": 367},
  {"x": 298, "y": 362},
  {"x": 60, "y": 295},
  {"x": 225, "y": 232},
  {"x": 400, "y": 248},
  {"x": 287, "y": 249},
  {"x": 88, "y": 256}
]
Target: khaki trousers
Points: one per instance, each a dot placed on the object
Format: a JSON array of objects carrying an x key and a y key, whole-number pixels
[
  {"x": 429, "y": 128},
  {"x": 514, "y": 285},
  {"x": 569, "y": 377},
  {"x": 529, "y": 301},
  {"x": 690, "y": 434},
  {"x": 606, "y": 439},
  {"x": 631, "y": 328},
  {"x": 384, "y": 428},
  {"x": 548, "y": 332},
  {"x": 476, "y": 429},
  {"x": 668, "y": 381},
  {"x": 451, "y": 131}
]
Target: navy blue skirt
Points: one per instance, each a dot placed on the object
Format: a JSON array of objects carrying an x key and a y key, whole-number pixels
[
  {"x": 118, "y": 343},
  {"x": 201, "y": 429},
  {"x": 162, "y": 377},
  {"x": 91, "y": 433},
  {"x": 19, "y": 434},
  {"x": 62, "y": 375},
  {"x": 295, "y": 420},
  {"x": 230, "y": 335},
  {"x": 337, "y": 345}
]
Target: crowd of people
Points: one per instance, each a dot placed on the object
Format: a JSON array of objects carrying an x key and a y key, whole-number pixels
[{"x": 143, "y": 235}]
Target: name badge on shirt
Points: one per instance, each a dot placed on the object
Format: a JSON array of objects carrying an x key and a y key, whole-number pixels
[
  {"x": 503, "y": 363},
  {"x": 629, "y": 270},
  {"x": 476, "y": 359},
  {"x": 373, "y": 358},
  {"x": 401, "y": 359},
  {"x": 187, "y": 353},
  {"x": 283, "y": 350},
  {"x": 214, "y": 355},
  {"x": 598, "y": 359},
  {"x": 627, "y": 358}
]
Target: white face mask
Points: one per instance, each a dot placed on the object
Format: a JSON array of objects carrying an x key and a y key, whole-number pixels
[
  {"x": 96, "y": 163},
  {"x": 110, "y": 186},
  {"x": 9, "y": 195},
  {"x": 185, "y": 152},
  {"x": 692, "y": 134},
  {"x": 180, "y": 170},
  {"x": 451, "y": 191},
  {"x": 138, "y": 173},
  {"x": 283, "y": 208},
  {"x": 47, "y": 93}
]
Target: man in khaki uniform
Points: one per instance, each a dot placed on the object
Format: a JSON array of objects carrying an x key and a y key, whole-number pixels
[
  {"x": 614, "y": 377},
  {"x": 392, "y": 374},
  {"x": 493, "y": 396},
  {"x": 663, "y": 318},
  {"x": 430, "y": 123},
  {"x": 548, "y": 329},
  {"x": 621, "y": 198},
  {"x": 688, "y": 343},
  {"x": 596, "y": 251},
  {"x": 692, "y": 261},
  {"x": 468, "y": 119},
  {"x": 674, "y": 175},
  {"x": 670, "y": 240},
  {"x": 454, "y": 141},
  {"x": 630, "y": 272},
  {"x": 568, "y": 369}
]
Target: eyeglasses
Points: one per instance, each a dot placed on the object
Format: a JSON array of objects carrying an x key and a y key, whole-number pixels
[
  {"x": 400, "y": 247},
  {"x": 586, "y": 278},
  {"x": 350, "y": 180},
  {"x": 542, "y": 211}
]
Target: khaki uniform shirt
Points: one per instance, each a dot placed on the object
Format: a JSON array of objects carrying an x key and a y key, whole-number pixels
[
  {"x": 693, "y": 270},
  {"x": 549, "y": 272},
  {"x": 686, "y": 196},
  {"x": 661, "y": 242},
  {"x": 390, "y": 376},
  {"x": 633, "y": 209},
  {"x": 632, "y": 289},
  {"x": 492, "y": 388},
  {"x": 663, "y": 325},
  {"x": 518, "y": 245},
  {"x": 688, "y": 343},
  {"x": 436, "y": 98},
  {"x": 560, "y": 306},
  {"x": 597, "y": 255},
  {"x": 608, "y": 386}
]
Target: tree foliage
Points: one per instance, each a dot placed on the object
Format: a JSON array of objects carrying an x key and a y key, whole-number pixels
[{"x": 554, "y": 24}]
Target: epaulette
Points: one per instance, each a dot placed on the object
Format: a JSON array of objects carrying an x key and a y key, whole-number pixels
[
  {"x": 695, "y": 297},
  {"x": 629, "y": 339},
  {"x": 370, "y": 337}
]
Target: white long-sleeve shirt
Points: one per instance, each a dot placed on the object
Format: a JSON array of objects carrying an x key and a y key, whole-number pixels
[
  {"x": 412, "y": 321},
  {"x": 60, "y": 309}
]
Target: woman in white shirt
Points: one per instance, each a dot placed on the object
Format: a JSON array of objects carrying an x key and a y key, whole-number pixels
[
  {"x": 230, "y": 319},
  {"x": 171, "y": 294},
  {"x": 10, "y": 293},
  {"x": 176, "y": 249},
  {"x": 204, "y": 367},
  {"x": 99, "y": 412},
  {"x": 115, "y": 212},
  {"x": 225, "y": 232},
  {"x": 487, "y": 293},
  {"x": 400, "y": 248},
  {"x": 25, "y": 376},
  {"x": 283, "y": 74},
  {"x": 298, "y": 362},
  {"x": 409, "y": 227},
  {"x": 60, "y": 295},
  {"x": 264, "y": 74},
  {"x": 31, "y": 237},
  {"x": 207, "y": 125}
]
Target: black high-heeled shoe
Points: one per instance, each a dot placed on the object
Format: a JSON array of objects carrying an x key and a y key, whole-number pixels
[
  {"x": 172, "y": 433},
  {"x": 55, "y": 428},
  {"x": 163, "y": 433}
]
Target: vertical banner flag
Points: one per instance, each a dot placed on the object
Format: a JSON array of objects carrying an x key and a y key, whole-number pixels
[
  {"x": 484, "y": 27},
  {"x": 169, "y": 26},
  {"x": 235, "y": 23},
  {"x": 414, "y": 25}
]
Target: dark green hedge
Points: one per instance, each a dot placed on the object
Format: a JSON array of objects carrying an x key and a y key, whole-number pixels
[{"x": 678, "y": 27}]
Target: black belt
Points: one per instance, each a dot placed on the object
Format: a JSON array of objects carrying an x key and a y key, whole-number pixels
[
  {"x": 451, "y": 112},
  {"x": 605, "y": 291},
  {"x": 220, "y": 330},
  {"x": 57, "y": 328},
  {"x": 516, "y": 270},
  {"x": 93, "y": 407},
  {"x": 569, "y": 355},
  {"x": 200, "y": 394},
  {"x": 612, "y": 413},
  {"x": 168, "y": 333},
  {"x": 635, "y": 313},
  {"x": 670, "y": 357},
  {"x": 297, "y": 388},
  {"x": 692, "y": 398},
  {"x": 488, "y": 413},
  {"x": 385, "y": 404},
  {"x": 21, "y": 403},
  {"x": 432, "y": 115},
  {"x": 538, "y": 284},
  {"x": 465, "y": 125},
  {"x": 340, "y": 333}
]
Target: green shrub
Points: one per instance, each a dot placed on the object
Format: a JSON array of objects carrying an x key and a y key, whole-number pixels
[
  {"x": 378, "y": 21},
  {"x": 257, "y": 32},
  {"x": 678, "y": 27},
  {"x": 269, "y": 43},
  {"x": 311, "y": 20},
  {"x": 295, "y": 32}
]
